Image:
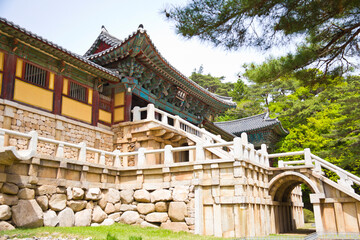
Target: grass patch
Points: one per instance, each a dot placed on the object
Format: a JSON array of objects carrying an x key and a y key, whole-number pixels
[
  {"x": 116, "y": 231},
  {"x": 308, "y": 216}
]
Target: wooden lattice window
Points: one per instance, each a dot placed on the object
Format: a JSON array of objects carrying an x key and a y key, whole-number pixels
[
  {"x": 35, "y": 75},
  {"x": 78, "y": 92}
]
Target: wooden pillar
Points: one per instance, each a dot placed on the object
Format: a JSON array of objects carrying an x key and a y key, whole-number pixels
[
  {"x": 95, "y": 107},
  {"x": 57, "y": 94},
  {"x": 9, "y": 76},
  {"x": 128, "y": 102}
]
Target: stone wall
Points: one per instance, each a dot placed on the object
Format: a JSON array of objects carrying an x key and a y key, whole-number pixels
[
  {"x": 21, "y": 118},
  {"x": 50, "y": 205}
]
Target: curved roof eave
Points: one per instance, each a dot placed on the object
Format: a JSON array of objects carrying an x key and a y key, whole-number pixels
[
  {"x": 60, "y": 52},
  {"x": 168, "y": 68}
]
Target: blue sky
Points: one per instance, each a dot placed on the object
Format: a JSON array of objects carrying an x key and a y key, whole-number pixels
[{"x": 76, "y": 24}]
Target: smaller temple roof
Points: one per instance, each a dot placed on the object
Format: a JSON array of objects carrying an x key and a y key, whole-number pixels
[{"x": 252, "y": 123}]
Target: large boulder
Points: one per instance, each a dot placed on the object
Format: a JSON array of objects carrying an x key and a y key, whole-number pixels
[
  {"x": 77, "y": 193},
  {"x": 157, "y": 217},
  {"x": 145, "y": 208},
  {"x": 109, "y": 208},
  {"x": 43, "y": 202},
  {"x": 46, "y": 190},
  {"x": 50, "y": 218},
  {"x": 10, "y": 188},
  {"x": 102, "y": 202},
  {"x": 161, "y": 195},
  {"x": 5, "y": 226},
  {"x": 6, "y": 199},
  {"x": 112, "y": 195},
  {"x": 26, "y": 193},
  {"x": 177, "y": 211},
  {"x": 77, "y": 205},
  {"x": 129, "y": 217},
  {"x": 161, "y": 207},
  {"x": 127, "y": 207},
  {"x": 27, "y": 213},
  {"x": 180, "y": 193},
  {"x": 5, "y": 212},
  {"x": 66, "y": 218},
  {"x": 93, "y": 194},
  {"x": 57, "y": 202},
  {"x": 142, "y": 195},
  {"x": 83, "y": 218},
  {"x": 98, "y": 215},
  {"x": 127, "y": 196},
  {"x": 175, "y": 226}
]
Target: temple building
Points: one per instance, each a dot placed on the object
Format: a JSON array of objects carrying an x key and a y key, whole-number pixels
[{"x": 261, "y": 129}]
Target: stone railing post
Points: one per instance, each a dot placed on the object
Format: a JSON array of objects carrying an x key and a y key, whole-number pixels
[
  {"x": 168, "y": 155},
  {"x": 238, "y": 149},
  {"x": 307, "y": 156},
  {"x": 136, "y": 114},
  {"x": 33, "y": 142},
  {"x": 150, "y": 112},
  {"x": 264, "y": 154},
  {"x": 2, "y": 139},
  {"x": 345, "y": 181},
  {"x": 102, "y": 158},
  {"x": 281, "y": 163},
  {"x": 60, "y": 151},
  {"x": 177, "y": 122},
  {"x": 141, "y": 157},
  {"x": 244, "y": 143},
  {"x": 82, "y": 152},
  {"x": 200, "y": 152},
  {"x": 252, "y": 153},
  {"x": 117, "y": 161},
  {"x": 164, "y": 119}
]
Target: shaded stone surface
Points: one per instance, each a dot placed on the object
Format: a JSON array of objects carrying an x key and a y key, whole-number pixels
[
  {"x": 10, "y": 188},
  {"x": 177, "y": 211},
  {"x": 27, "y": 213},
  {"x": 98, "y": 215},
  {"x": 127, "y": 196},
  {"x": 57, "y": 202},
  {"x": 5, "y": 212},
  {"x": 4, "y": 226}
]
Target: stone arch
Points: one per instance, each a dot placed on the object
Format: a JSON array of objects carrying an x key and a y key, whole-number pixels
[
  {"x": 287, "y": 211},
  {"x": 282, "y": 184}
]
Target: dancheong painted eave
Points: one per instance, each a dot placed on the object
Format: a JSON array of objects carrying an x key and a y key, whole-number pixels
[
  {"x": 21, "y": 34},
  {"x": 139, "y": 45}
]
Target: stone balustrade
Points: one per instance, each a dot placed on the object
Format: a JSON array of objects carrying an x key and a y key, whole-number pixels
[{"x": 242, "y": 150}]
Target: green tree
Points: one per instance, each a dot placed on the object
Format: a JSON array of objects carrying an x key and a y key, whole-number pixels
[
  {"x": 212, "y": 84},
  {"x": 327, "y": 30}
]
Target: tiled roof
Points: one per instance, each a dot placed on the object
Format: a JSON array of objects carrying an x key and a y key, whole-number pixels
[
  {"x": 153, "y": 54},
  {"x": 252, "y": 123},
  {"x": 106, "y": 37},
  {"x": 53, "y": 45}
]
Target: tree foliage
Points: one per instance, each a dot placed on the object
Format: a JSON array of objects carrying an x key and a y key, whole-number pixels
[
  {"x": 212, "y": 84},
  {"x": 329, "y": 29}
]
